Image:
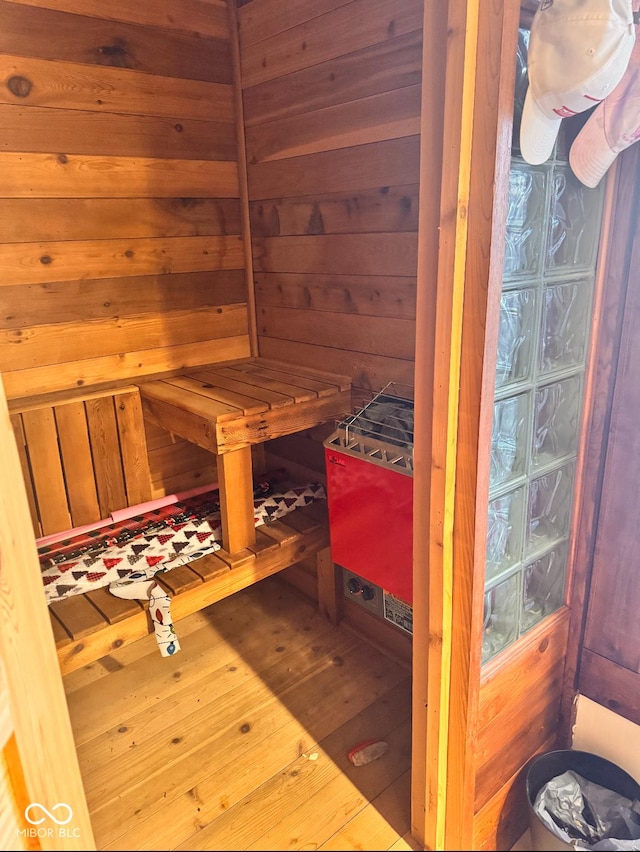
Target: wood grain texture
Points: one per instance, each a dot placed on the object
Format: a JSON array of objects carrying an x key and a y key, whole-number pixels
[
  {"x": 87, "y": 340},
  {"x": 259, "y": 20},
  {"x": 384, "y": 67},
  {"x": 26, "y": 31},
  {"x": 309, "y": 689},
  {"x": 74, "y": 176},
  {"x": 46, "y": 470},
  {"x": 42, "y": 129},
  {"x": 510, "y": 732},
  {"x": 235, "y": 478},
  {"x": 429, "y": 815},
  {"x": 384, "y": 209},
  {"x": 266, "y": 402},
  {"x": 21, "y": 446},
  {"x": 84, "y": 457},
  {"x": 133, "y": 448},
  {"x": 242, "y": 173},
  {"x": 338, "y": 254},
  {"x": 614, "y": 570},
  {"x": 389, "y": 115},
  {"x": 328, "y": 36},
  {"x": 175, "y": 465},
  {"x": 42, "y": 220},
  {"x": 389, "y": 163},
  {"x": 12, "y": 802},
  {"x": 34, "y": 263},
  {"x": 45, "y": 751},
  {"x": 120, "y": 135},
  {"x": 330, "y": 93},
  {"x": 391, "y": 295},
  {"x": 75, "y": 451},
  {"x": 30, "y": 81},
  {"x": 489, "y": 164},
  {"x": 369, "y": 371},
  {"x": 610, "y": 684},
  {"x": 505, "y": 817},
  {"x": 346, "y": 332},
  {"x": 449, "y": 479},
  {"x": 204, "y": 17},
  {"x": 30, "y": 305},
  {"x": 123, "y": 367}
]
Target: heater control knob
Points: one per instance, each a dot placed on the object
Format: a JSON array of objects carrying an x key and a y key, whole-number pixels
[
  {"x": 354, "y": 586},
  {"x": 368, "y": 593}
]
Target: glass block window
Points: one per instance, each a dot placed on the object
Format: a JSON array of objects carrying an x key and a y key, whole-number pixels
[{"x": 552, "y": 236}]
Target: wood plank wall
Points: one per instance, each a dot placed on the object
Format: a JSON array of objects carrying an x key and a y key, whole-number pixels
[
  {"x": 331, "y": 98},
  {"x": 120, "y": 227}
]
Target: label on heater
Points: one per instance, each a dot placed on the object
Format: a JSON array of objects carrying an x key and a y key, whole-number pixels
[{"x": 398, "y": 612}]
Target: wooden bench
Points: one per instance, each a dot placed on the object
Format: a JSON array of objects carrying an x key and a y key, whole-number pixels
[
  {"x": 228, "y": 408},
  {"x": 84, "y": 456}
]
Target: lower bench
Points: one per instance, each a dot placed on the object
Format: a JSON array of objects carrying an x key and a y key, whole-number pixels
[{"x": 89, "y": 626}]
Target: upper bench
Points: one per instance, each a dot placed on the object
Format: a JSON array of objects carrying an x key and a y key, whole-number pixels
[
  {"x": 228, "y": 407},
  {"x": 232, "y": 405}
]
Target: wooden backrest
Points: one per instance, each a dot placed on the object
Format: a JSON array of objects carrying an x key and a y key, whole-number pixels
[{"x": 82, "y": 457}]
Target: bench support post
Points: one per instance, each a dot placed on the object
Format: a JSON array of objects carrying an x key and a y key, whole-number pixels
[{"x": 235, "y": 481}]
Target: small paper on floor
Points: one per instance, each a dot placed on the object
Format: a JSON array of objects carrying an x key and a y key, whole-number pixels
[{"x": 367, "y": 751}]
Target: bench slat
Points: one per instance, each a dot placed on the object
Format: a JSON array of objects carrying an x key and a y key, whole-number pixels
[
  {"x": 232, "y": 379},
  {"x": 179, "y": 579},
  {"x": 78, "y": 616},
  {"x": 319, "y": 387},
  {"x": 21, "y": 442},
  {"x": 255, "y": 375},
  {"x": 172, "y": 392},
  {"x": 218, "y": 396},
  {"x": 75, "y": 449},
  {"x": 105, "y": 449},
  {"x": 263, "y": 542},
  {"x": 112, "y": 608},
  {"x": 278, "y": 531},
  {"x": 301, "y": 521},
  {"x": 133, "y": 447},
  {"x": 46, "y": 470},
  {"x": 343, "y": 382},
  {"x": 209, "y": 567},
  {"x": 60, "y": 635}
]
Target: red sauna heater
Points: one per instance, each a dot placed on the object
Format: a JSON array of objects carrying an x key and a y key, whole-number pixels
[{"x": 369, "y": 465}]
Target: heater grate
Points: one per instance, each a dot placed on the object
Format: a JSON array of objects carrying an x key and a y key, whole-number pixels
[{"x": 381, "y": 431}]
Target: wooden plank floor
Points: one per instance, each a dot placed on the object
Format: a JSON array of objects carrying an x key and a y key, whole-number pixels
[{"x": 240, "y": 741}]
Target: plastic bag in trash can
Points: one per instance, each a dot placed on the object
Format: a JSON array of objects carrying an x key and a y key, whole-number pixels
[{"x": 587, "y": 815}]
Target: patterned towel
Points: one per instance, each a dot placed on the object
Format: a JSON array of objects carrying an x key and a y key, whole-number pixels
[
  {"x": 150, "y": 545},
  {"x": 137, "y": 586}
]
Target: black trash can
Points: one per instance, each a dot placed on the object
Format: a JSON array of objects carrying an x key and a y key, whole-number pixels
[{"x": 592, "y": 767}]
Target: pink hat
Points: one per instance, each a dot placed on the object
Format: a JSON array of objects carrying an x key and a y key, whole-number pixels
[
  {"x": 613, "y": 126},
  {"x": 578, "y": 52}
]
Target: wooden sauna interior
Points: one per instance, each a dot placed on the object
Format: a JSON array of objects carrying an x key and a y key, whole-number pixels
[{"x": 226, "y": 225}]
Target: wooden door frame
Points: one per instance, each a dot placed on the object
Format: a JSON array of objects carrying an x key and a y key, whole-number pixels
[
  {"x": 44, "y": 769},
  {"x": 466, "y": 126}
]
